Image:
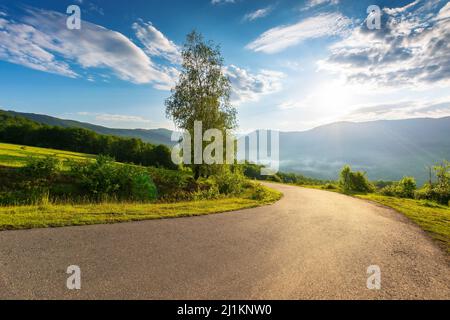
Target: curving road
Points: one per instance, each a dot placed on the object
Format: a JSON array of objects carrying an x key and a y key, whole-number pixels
[{"x": 310, "y": 245}]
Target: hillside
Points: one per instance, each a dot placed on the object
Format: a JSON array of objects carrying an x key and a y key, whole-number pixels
[
  {"x": 12, "y": 155},
  {"x": 154, "y": 136}
]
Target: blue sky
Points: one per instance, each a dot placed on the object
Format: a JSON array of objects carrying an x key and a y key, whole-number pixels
[{"x": 293, "y": 65}]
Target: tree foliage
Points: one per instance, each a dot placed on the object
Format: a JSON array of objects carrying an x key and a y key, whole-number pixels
[
  {"x": 351, "y": 181},
  {"x": 202, "y": 92},
  {"x": 18, "y": 130}
]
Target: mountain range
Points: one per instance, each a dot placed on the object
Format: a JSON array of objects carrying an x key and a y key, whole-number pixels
[
  {"x": 385, "y": 149},
  {"x": 155, "y": 136}
]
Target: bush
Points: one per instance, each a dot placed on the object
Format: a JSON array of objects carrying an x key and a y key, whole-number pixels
[
  {"x": 406, "y": 187},
  {"x": 389, "y": 191},
  {"x": 207, "y": 194},
  {"x": 439, "y": 191},
  {"x": 172, "y": 184},
  {"x": 105, "y": 180},
  {"x": 329, "y": 186},
  {"x": 260, "y": 193},
  {"x": 354, "y": 181},
  {"x": 41, "y": 167},
  {"x": 229, "y": 182}
]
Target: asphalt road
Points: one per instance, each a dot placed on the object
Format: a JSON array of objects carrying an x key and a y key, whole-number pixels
[{"x": 310, "y": 245}]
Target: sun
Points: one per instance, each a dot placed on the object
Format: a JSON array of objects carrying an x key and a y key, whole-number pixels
[{"x": 332, "y": 98}]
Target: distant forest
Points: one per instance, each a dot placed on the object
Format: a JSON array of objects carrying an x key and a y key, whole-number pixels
[{"x": 19, "y": 130}]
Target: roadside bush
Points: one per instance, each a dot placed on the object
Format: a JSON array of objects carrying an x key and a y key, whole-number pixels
[
  {"x": 174, "y": 185},
  {"x": 389, "y": 191},
  {"x": 380, "y": 184},
  {"x": 229, "y": 182},
  {"x": 406, "y": 187},
  {"x": 357, "y": 181},
  {"x": 259, "y": 193},
  {"x": 104, "y": 180},
  {"x": 329, "y": 186},
  {"x": 41, "y": 167},
  {"x": 207, "y": 194},
  {"x": 440, "y": 190}
]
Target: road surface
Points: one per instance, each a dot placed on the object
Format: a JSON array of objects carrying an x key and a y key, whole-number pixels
[{"x": 310, "y": 245}]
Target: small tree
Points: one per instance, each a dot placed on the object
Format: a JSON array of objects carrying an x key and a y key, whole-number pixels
[
  {"x": 406, "y": 187},
  {"x": 202, "y": 93},
  {"x": 350, "y": 181}
]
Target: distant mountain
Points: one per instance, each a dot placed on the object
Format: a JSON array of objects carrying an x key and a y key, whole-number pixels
[
  {"x": 386, "y": 150},
  {"x": 155, "y": 136}
]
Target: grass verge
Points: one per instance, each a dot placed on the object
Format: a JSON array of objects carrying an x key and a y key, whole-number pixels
[
  {"x": 430, "y": 216},
  {"x": 27, "y": 217}
]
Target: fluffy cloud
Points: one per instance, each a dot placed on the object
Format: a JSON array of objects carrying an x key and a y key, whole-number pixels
[
  {"x": 279, "y": 38},
  {"x": 315, "y": 3},
  {"x": 42, "y": 41},
  {"x": 156, "y": 43},
  {"x": 412, "y": 48},
  {"x": 401, "y": 110},
  {"x": 249, "y": 87},
  {"x": 260, "y": 13}
]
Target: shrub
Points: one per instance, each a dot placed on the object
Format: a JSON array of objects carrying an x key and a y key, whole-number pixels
[
  {"x": 439, "y": 191},
  {"x": 406, "y": 187},
  {"x": 105, "y": 180},
  {"x": 389, "y": 191},
  {"x": 259, "y": 193},
  {"x": 380, "y": 184},
  {"x": 354, "y": 181},
  {"x": 41, "y": 167},
  {"x": 207, "y": 194},
  {"x": 329, "y": 186},
  {"x": 171, "y": 183},
  {"x": 229, "y": 182}
]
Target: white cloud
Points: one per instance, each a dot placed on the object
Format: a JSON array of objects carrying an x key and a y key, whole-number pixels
[
  {"x": 314, "y": 3},
  {"x": 250, "y": 87},
  {"x": 41, "y": 41},
  {"x": 393, "y": 11},
  {"x": 282, "y": 37},
  {"x": 156, "y": 43},
  {"x": 401, "y": 110},
  {"x": 260, "y": 13},
  {"x": 411, "y": 49}
]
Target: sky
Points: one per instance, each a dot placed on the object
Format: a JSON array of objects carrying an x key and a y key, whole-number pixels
[{"x": 293, "y": 65}]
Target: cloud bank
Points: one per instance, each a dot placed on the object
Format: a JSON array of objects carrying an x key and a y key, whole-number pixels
[{"x": 411, "y": 49}]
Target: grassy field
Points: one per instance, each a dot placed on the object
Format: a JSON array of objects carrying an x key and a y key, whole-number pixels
[
  {"x": 12, "y": 155},
  {"x": 58, "y": 215},
  {"x": 430, "y": 216},
  {"x": 26, "y": 217}
]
